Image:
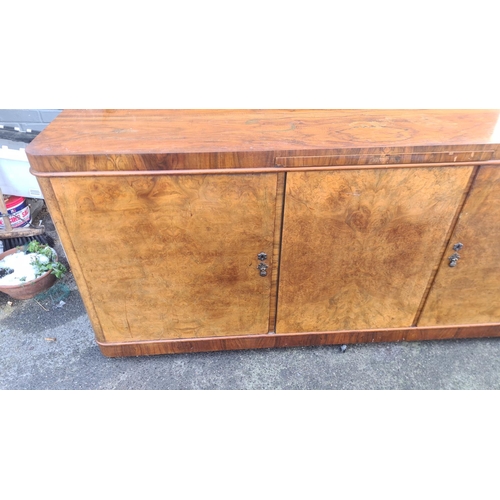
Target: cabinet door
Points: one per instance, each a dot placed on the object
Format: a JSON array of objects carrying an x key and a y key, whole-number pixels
[
  {"x": 360, "y": 247},
  {"x": 469, "y": 292},
  {"x": 167, "y": 257}
]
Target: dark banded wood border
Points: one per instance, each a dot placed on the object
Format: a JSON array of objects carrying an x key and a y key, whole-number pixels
[
  {"x": 182, "y": 346},
  {"x": 255, "y": 170},
  {"x": 387, "y": 159}
]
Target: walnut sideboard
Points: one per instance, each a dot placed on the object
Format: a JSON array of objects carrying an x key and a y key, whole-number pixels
[{"x": 201, "y": 230}]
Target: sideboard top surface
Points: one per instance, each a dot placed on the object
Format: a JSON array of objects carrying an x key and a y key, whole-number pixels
[{"x": 141, "y": 132}]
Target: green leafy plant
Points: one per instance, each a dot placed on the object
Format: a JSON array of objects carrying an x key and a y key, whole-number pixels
[{"x": 45, "y": 260}]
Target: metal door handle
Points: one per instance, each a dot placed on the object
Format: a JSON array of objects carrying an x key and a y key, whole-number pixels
[
  {"x": 262, "y": 268},
  {"x": 454, "y": 258}
]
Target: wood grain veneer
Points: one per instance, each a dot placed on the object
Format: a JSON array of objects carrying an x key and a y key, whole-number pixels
[
  {"x": 119, "y": 140},
  {"x": 359, "y": 246},
  {"x": 298, "y": 340},
  {"x": 470, "y": 292},
  {"x": 162, "y": 214},
  {"x": 172, "y": 257}
]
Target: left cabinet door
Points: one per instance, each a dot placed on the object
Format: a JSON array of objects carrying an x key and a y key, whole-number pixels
[{"x": 173, "y": 256}]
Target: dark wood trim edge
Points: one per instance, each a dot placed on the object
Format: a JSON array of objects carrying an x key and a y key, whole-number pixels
[
  {"x": 182, "y": 346},
  {"x": 388, "y": 158},
  {"x": 276, "y": 257},
  {"x": 254, "y": 170}
]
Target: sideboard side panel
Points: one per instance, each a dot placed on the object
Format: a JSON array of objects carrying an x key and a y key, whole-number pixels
[{"x": 72, "y": 256}]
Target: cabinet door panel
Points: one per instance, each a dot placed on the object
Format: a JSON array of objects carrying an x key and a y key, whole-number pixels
[
  {"x": 168, "y": 257},
  {"x": 470, "y": 292},
  {"x": 360, "y": 247}
]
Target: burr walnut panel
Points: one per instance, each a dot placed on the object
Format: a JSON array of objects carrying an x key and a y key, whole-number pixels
[
  {"x": 173, "y": 257},
  {"x": 359, "y": 247},
  {"x": 470, "y": 291}
]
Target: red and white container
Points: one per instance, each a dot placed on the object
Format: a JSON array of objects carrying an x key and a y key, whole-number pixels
[{"x": 18, "y": 210}]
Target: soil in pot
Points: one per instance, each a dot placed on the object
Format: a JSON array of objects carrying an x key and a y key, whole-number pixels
[{"x": 29, "y": 288}]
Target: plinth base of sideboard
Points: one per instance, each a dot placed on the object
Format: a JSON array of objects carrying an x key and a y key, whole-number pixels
[{"x": 229, "y": 343}]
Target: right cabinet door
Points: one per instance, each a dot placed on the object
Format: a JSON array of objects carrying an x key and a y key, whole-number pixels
[
  {"x": 360, "y": 247},
  {"x": 468, "y": 292}
]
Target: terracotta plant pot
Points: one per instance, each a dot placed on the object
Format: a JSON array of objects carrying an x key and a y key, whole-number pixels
[{"x": 28, "y": 289}]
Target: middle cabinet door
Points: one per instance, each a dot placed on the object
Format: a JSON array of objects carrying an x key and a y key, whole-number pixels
[{"x": 360, "y": 247}]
